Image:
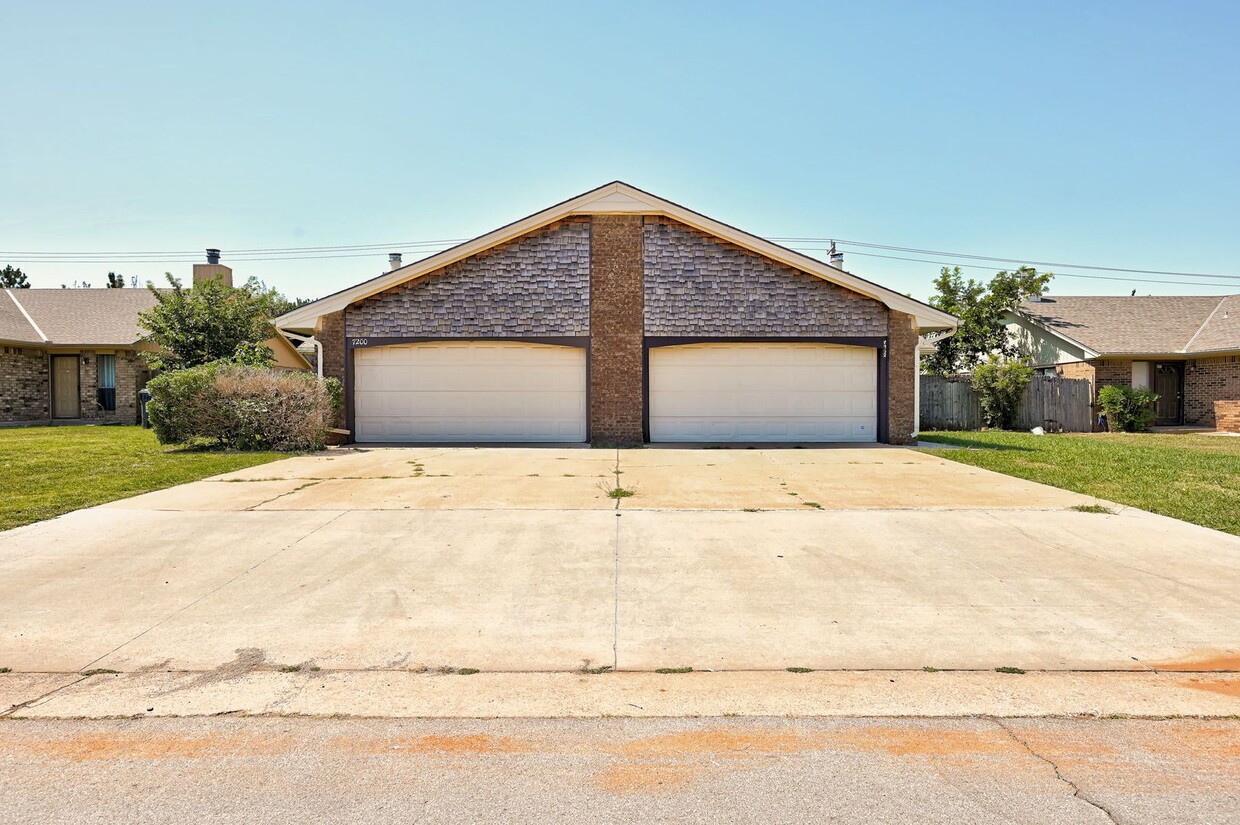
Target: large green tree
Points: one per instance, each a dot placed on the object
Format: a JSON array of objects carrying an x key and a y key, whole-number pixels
[
  {"x": 982, "y": 308},
  {"x": 210, "y": 322},
  {"x": 13, "y": 278}
]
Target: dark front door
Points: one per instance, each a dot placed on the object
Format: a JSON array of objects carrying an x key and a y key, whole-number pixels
[
  {"x": 66, "y": 401},
  {"x": 1168, "y": 382}
]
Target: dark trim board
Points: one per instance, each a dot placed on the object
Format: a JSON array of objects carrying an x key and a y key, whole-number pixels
[
  {"x": 874, "y": 342},
  {"x": 352, "y": 343}
]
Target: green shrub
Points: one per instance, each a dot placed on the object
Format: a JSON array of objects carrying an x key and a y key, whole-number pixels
[
  {"x": 242, "y": 407},
  {"x": 1000, "y": 386},
  {"x": 1128, "y": 409}
]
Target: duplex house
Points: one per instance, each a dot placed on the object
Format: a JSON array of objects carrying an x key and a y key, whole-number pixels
[
  {"x": 1186, "y": 348},
  {"x": 620, "y": 317}
]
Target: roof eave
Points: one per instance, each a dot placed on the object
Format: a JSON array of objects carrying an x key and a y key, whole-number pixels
[{"x": 614, "y": 198}]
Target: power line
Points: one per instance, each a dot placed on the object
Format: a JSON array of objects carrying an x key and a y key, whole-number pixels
[
  {"x": 968, "y": 256},
  {"x": 1057, "y": 274},
  {"x": 429, "y": 247}
]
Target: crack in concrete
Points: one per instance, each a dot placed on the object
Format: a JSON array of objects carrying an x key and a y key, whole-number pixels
[
  {"x": 245, "y": 572},
  {"x": 282, "y": 495},
  {"x": 615, "y": 620},
  {"x": 50, "y": 693},
  {"x": 1076, "y": 789}
]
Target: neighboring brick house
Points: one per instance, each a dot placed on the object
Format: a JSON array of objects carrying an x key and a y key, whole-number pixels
[
  {"x": 618, "y": 317},
  {"x": 1186, "y": 348},
  {"x": 74, "y": 355}
]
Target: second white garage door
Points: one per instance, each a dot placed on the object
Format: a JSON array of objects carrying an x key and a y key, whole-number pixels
[
  {"x": 483, "y": 391},
  {"x": 763, "y": 392}
]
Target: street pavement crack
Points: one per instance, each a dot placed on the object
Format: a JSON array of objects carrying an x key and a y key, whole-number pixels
[{"x": 1076, "y": 789}]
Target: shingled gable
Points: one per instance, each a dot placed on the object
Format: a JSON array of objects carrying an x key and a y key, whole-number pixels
[{"x": 616, "y": 198}]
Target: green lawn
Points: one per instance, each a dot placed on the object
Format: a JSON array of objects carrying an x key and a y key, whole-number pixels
[
  {"x": 47, "y": 471},
  {"x": 1191, "y": 477}
]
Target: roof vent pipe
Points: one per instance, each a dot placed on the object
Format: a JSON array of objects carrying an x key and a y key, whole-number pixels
[
  {"x": 393, "y": 260},
  {"x": 836, "y": 259},
  {"x": 213, "y": 256}
]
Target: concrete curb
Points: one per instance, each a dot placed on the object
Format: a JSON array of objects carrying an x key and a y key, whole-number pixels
[{"x": 405, "y": 694}]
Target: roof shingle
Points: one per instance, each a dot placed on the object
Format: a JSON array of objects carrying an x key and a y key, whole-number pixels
[
  {"x": 76, "y": 317},
  {"x": 1142, "y": 324}
]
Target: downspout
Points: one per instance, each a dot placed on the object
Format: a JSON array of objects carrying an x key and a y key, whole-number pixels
[
  {"x": 917, "y": 390},
  {"x": 318, "y": 355}
]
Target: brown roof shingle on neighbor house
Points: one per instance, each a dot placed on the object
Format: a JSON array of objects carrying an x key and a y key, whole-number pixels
[
  {"x": 1141, "y": 324},
  {"x": 74, "y": 317}
]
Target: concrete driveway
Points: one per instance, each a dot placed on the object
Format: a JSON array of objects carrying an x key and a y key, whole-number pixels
[{"x": 518, "y": 559}]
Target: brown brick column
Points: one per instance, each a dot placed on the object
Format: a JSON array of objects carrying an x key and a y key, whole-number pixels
[
  {"x": 616, "y": 329},
  {"x": 329, "y": 331},
  {"x": 901, "y": 377}
]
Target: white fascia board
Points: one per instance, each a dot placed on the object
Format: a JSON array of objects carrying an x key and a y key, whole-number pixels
[{"x": 611, "y": 199}]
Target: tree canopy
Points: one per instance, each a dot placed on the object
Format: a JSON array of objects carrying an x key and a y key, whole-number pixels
[
  {"x": 116, "y": 281},
  {"x": 210, "y": 322},
  {"x": 982, "y": 308},
  {"x": 13, "y": 278}
]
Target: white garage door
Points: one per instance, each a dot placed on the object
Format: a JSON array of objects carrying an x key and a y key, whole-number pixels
[
  {"x": 763, "y": 392},
  {"x": 470, "y": 391}
]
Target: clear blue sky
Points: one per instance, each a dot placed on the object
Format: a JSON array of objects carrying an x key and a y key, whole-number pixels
[{"x": 1098, "y": 132}]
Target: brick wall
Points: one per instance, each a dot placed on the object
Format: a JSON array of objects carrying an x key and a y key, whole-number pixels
[
  {"x": 901, "y": 378},
  {"x": 696, "y": 284},
  {"x": 616, "y": 329},
  {"x": 1077, "y": 369},
  {"x": 1112, "y": 371},
  {"x": 538, "y": 284},
  {"x": 329, "y": 331},
  {"x": 1209, "y": 382},
  {"x": 1227, "y": 416},
  {"x": 23, "y": 384}
]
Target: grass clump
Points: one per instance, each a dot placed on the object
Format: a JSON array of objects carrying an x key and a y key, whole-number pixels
[
  {"x": 1092, "y": 508},
  {"x": 1009, "y": 669},
  {"x": 799, "y": 669},
  {"x": 673, "y": 670}
]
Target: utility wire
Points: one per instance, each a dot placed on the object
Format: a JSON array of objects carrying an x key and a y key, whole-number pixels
[
  {"x": 1057, "y": 274},
  {"x": 429, "y": 247},
  {"x": 1002, "y": 260}
]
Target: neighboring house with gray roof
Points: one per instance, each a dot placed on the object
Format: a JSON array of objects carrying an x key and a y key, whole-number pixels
[
  {"x": 75, "y": 354},
  {"x": 1184, "y": 347},
  {"x": 72, "y": 354}
]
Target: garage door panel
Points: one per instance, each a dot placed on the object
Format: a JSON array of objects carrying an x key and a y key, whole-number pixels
[
  {"x": 763, "y": 392},
  {"x": 470, "y": 391}
]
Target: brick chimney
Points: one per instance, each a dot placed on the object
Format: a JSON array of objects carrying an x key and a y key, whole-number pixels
[{"x": 213, "y": 269}]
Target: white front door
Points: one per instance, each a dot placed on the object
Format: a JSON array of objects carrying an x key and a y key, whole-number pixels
[
  {"x": 763, "y": 392},
  {"x": 470, "y": 391}
]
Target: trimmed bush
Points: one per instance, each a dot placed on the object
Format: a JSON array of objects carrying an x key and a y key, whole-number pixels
[
  {"x": 1000, "y": 386},
  {"x": 1128, "y": 409},
  {"x": 243, "y": 407}
]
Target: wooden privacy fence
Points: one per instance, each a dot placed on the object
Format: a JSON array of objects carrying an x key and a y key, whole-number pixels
[{"x": 1054, "y": 403}]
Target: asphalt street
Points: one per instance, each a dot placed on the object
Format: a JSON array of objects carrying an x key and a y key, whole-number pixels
[{"x": 271, "y": 770}]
